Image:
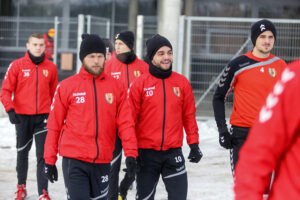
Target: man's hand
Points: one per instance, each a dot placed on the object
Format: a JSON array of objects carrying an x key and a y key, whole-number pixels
[
  {"x": 51, "y": 172},
  {"x": 225, "y": 139},
  {"x": 13, "y": 117},
  {"x": 131, "y": 166},
  {"x": 195, "y": 153}
]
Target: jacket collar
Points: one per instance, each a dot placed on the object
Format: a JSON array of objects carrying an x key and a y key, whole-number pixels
[{"x": 29, "y": 59}]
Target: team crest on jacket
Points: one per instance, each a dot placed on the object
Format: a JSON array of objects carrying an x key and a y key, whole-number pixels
[
  {"x": 45, "y": 72},
  {"x": 109, "y": 98},
  {"x": 137, "y": 73},
  {"x": 176, "y": 91},
  {"x": 272, "y": 72}
]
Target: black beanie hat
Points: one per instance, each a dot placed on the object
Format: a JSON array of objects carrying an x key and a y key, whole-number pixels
[
  {"x": 155, "y": 43},
  {"x": 260, "y": 27},
  {"x": 91, "y": 43},
  {"x": 108, "y": 45},
  {"x": 127, "y": 37}
]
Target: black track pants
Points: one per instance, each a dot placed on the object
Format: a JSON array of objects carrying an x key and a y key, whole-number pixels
[
  {"x": 31, "y": 126},
  {"x": 84, "y": 181},
  {"x": 170, "y": 165}
]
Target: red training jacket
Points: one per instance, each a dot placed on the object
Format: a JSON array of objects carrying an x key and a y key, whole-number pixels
[
  {"x": 162, "y": 107},
  {"x": 273, "y": 143},
  {"x": 85, "y": 113},
  {"x": 126, "y": 73},
  {"x": 32, "y": 86}
]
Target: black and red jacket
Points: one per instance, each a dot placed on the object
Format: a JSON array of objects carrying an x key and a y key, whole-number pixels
[
  {"x": 162, "y": 108},
  {"x": 251, "y": 78},
  {"x": 31, "y": 85},
  {"x": 85, "y": 114}
]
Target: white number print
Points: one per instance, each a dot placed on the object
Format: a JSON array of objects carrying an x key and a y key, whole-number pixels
[
  {"x": 178, "y": 159},
  {"x": 104, "y": 178},
  {"x": 80, "y": 99},
  {"x": 149, "y": 93}
]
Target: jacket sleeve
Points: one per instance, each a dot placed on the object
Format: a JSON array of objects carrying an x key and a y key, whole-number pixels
[
  {"x": 270, "y": 137},
  {"x": 223, "y": 89},
  {"x": 125, "y": 123},
  {"x": 55, "y": 123},
  {"x": 8, "y": 86},
  {"x": 189, "y": 115},
  {"x": 54, "y": 82}
]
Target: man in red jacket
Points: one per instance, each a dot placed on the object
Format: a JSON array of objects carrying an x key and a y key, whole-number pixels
[
  {"x": 273, "y": 143},
  {"x": 86, "y": 111},
  {"x": 124, "y": 66},
  {"x": 163, "y": 104},
  {"x": 31, "y": 80}
]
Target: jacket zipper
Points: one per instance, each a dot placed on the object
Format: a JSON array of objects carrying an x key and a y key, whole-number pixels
[
  {"x": 164, "y": 119},
  {"x": 127, "y": 77},
  {"x": 96, "y": 109},
  {"x": 36, "y": 92}
]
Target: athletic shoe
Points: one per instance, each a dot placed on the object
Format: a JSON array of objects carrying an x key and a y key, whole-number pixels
[
  {"x": 121, "y": 197},
  {"x": 21, "y": 192},
  {"x": 44, "y": 196}
]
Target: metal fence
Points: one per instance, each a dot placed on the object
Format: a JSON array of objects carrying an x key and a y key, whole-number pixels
[{"x": 213, "y": 42}]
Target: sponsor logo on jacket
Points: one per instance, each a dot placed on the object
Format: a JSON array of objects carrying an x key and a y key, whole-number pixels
[
  {"x": 149, "y": 91},
  {"x": 109, "y": 98},
  {"x": 26, "y": 72},
  {"x": 116, "y": 75},
  {"x": 176, "y": 91}
]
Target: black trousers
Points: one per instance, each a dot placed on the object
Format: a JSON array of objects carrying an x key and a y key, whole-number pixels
[
  {"x": 85, "y": 180},
  {"x": 170, "y": 165},
  {"x": 239, "y": 136},
  {"x": 31, "y": 126},
  {"x": 115, "y": 170}
]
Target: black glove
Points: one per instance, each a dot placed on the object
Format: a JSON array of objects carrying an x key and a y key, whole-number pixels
[
  {"x": 13, "y": 117},
  {"x": 51, "y": 172},
  {"x": 225, "y": 139},
  {"x": 131, "y": 166},
  {"x": 195, "y": 153}
]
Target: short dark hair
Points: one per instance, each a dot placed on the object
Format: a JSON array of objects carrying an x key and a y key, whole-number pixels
[{"x": 36, "y": 35}]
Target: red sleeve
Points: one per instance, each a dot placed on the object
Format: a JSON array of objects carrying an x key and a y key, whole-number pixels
[
  {"x": 270, "y": 136},
  {"x": 189, "y": 115},
  {"x": 8, "y": 86},
  {"x": 126, "y": 128},
  {"x": 54, "y": 82},
  {"x": 55, "y": 123}
]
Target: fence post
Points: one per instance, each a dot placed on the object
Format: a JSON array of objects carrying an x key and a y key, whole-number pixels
[
  {"x": 80, "y": 31},
  {"x": 180, "y": 46},
  {"x": 88, "y": 24},
  {"x": 188, "y": 49},
  {"x": 56, "y": 22},
  {"x": 139, "y": 36},
  {"x": 107, "y": 28}
]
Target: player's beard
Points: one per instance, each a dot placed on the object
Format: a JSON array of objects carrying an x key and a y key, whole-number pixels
[{"x": 92, "y": 71}]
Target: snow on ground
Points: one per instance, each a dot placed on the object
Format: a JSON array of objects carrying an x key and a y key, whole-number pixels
[{"x": 210, "y": 179}]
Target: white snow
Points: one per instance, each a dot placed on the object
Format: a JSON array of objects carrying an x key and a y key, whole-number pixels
[{"x": 210, "y": 179}]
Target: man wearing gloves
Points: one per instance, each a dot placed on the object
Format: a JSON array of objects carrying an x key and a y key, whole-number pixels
[
  {"x": 124, "y": 66},
  {"x": 163, "y": 104},
  {"x": 252, "y": 76},
  {"x": 31, "y": 81},
  {"x": 86, "y": 111}
]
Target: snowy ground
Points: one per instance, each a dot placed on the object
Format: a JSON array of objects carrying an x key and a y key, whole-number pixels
[{"x": 208, "y": 180}]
